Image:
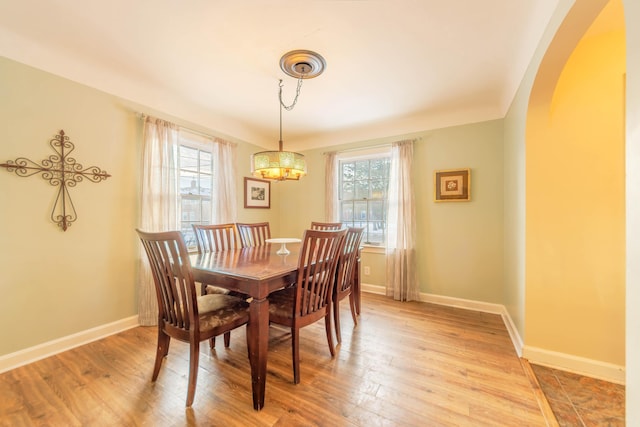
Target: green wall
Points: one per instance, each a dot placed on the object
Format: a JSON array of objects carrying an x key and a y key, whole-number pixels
[
  {"x": 460, "y": 244},
  {"x": 56, "y": 283}
]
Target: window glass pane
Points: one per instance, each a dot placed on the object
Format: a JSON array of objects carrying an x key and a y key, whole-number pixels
[
  {"x": 188, "y": 183},
  {"x": 360, "y": 211},
  {"x": 376, "y": 210},
  {"x": 378, "y": 169},
  {"x": 378, "y": 189},
  {"x": 205, "y": 217},
  {"x": 348, "y": 171},
  {"x": 346, "y": 211},
  {"x": 347, "y": 191},
  {"x": 190, "y": 209},
  {"x": 206, "y": 162},
  {"x": 362, "y": 170},
  {"x": 362, "y": 190},
  {"x": 375, "y": 233},
  {"x": 188, "y": 158},
  {"x": 205, "y": 185}
]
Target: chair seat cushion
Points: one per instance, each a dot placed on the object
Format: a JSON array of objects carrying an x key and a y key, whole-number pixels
[
  {"x": 220, "y": 309},
  {"x": 211, "y": 289},
  {"x": 281, "y": 302}
]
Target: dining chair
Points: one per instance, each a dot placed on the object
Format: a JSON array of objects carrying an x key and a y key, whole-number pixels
[
  {"x": 253, "y": 234},
  {"x": 214, "y": 238},
  {"x": 310, "y": 299},
  {"x": 347, "y": 265},
  {"x": 325, "y": 225},
  {"x": 182, "y": 314}
]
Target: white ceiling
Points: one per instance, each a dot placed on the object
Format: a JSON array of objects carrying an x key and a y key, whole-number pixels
[{"x": 393, "y": 66}]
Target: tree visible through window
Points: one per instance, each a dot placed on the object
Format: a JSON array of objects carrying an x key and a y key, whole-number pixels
[
  {"x": 363, "y": 184},
  {"x": 196, "y": 188}
]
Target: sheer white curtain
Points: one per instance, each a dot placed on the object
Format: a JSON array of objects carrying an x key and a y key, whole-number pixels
[
  {"x": 331, "y": 209},
  {"x": 224, "y": 209},
  {"x": 159, "y": 204},
  {"x": 402, "y": 278}
]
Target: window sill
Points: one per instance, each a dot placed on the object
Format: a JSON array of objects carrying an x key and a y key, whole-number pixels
[{"x": 370, "y": 249}]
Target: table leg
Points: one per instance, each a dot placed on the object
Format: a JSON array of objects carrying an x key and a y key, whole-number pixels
[{"x": 258, "y": 345}]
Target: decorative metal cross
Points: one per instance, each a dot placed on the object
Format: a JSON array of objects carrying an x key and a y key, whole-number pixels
[{"x": 62, "y": 171}]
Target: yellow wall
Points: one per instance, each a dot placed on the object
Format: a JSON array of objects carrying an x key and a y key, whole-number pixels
[{"x": 575, "y": 214}]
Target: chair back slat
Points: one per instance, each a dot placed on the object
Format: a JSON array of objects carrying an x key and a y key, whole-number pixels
[
  {"x": 173, "y": 279},
  {"x": 326, "y": 226},
  {"x": 349, "y": 259},
  {"x": 316, "y": 270},
  {"x": 216, "y": 237},
  {"x": 254, "y": 234}
]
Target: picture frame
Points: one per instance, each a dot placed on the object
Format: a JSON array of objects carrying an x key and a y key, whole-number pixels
[
  {"x": 257, "y": 193},
  {"x": 452, "y": 185}
]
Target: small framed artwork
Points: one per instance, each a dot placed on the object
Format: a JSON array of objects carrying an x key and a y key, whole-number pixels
[
  {"x": 453, "y": 185},
  {"x": 257, "y": 193}
]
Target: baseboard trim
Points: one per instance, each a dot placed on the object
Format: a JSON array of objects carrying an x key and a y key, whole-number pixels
[
  {"x": 566, "y": 362},
  {"x": 576, "y": 364},
  {"x": 41, "y": 351}
]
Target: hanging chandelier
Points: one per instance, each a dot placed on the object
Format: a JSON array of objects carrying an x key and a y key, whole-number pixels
[{"x": 288, "y": 165}]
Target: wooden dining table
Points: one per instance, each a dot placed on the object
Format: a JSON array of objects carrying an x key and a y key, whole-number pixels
[{"x": 256, "y": 272}]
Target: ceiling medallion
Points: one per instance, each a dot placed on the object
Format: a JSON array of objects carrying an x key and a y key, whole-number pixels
[{"x": 302, "y": 64}]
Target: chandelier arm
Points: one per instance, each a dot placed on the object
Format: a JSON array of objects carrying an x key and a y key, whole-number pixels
[{"x": 295, "y": 100}]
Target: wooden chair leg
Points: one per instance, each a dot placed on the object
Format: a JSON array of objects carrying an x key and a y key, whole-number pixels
[
  {"x": 194, "y": 358},
  {"x": 352, "y": 305},
  {"x": 327, "y": 327},
  {"x": 227, "y": 339},
  {"x": 336, "y": 319},
  {"x": 212, "y": 343},
  {"x": 161, "y": 352},
  {"x": 295, "y": 354}
]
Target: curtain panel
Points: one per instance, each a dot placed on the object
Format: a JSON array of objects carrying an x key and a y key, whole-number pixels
[
  {"x": 159, "y": 201},
  {"x": 160, "y": 204},
  {"x": 402, "y": 278},
  {"x": 331, "y": 208}
]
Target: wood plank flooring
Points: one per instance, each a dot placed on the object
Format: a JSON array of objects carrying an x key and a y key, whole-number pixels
[{"x": 405, "y": 364}]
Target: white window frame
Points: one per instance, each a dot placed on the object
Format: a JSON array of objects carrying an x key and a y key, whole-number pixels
[
  {"x": 360, "y": 155},
  {"x": 193, "y": 141}
]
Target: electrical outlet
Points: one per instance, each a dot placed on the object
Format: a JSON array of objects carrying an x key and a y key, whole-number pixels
[{"x": 367, "y": 270}]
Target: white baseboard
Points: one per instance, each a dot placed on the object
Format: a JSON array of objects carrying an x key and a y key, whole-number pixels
[
  {"x": 566, "y": 362},
  {"x": 41, "y": 351},
  {"x": 578, "y": 365},
  {"x": 372, "y": 289}
]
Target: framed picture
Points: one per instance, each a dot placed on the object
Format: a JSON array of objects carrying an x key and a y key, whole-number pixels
[
  {"x": 453, "y": 185},
  {"x": 257, "y": 193}
]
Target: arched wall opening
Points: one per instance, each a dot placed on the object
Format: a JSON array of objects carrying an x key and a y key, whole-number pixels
[{"x": 575, "y": 197}]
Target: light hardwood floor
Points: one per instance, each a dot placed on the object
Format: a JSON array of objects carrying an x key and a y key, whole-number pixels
[{"x": 405, "y": 364}]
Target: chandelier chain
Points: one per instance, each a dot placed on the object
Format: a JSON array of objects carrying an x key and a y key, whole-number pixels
[{"x": 295, "y": 100}]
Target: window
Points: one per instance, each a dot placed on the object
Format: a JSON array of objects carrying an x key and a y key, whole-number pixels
[
  {"x": 195, "y": 170},
  {"x": 362, "y": 196}
]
